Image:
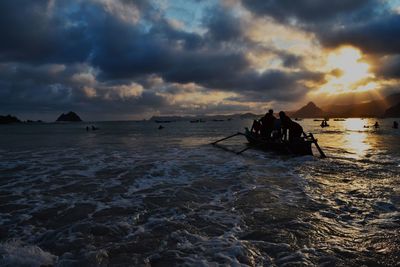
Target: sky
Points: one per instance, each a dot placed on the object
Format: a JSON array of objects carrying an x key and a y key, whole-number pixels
[{"x": 132, "y": 59}]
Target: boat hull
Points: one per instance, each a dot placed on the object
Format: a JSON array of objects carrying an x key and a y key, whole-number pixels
[{"x": 301, "y": 147}]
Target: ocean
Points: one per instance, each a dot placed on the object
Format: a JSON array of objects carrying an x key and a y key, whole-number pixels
[{"x": 130, "y": 194}]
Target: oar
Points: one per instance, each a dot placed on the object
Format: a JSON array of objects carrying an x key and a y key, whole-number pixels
[
  {"x": 243, "y": 150},
  {"x": 316, "y": 144},
  {"x": 213, "y": 143}
]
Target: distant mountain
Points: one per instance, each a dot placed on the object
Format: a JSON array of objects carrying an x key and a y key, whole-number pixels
[
  {"x": 70, "y": 116},
  {"x": 8, "y": 119},
  {"x": 164, "y": 119},
  {"x": 393, "y": 112},
  {"x": 309, "y": 111},
  {"x": 247, "y": 116},
  {"x": 376, "y": 108}
]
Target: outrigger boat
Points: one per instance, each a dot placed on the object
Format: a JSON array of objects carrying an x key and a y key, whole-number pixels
[{"x": 299, "y": 147}]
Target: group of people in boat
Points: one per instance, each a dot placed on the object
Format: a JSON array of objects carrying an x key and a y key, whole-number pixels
[{"x": 270, "y": 127}]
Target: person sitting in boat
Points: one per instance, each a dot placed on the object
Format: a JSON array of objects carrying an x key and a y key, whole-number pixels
[
  {"x": 295, "y": 129},
  {"x": 256, "y": 127},
  {"x": 395, "y": 125},
  {"x": 268, "y": 124},
  {"x": 277, "y": 132},
  {"x": 376, "y": 125}
]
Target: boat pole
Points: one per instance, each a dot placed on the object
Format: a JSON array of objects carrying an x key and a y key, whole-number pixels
[
  {"x": 243, "y": 150},
  {"x": 213, "y": 143},
  {"x": 316, "y": 144}
]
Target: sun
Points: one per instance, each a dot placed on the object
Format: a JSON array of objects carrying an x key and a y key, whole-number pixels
[{"x": 347, "y": 72}]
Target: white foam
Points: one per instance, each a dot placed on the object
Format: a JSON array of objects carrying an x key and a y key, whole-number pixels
[{"x": 14, "y": 253}]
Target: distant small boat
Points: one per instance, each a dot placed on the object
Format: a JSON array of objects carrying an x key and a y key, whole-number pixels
[
  {"x": 339, "y": 119},
  {"x": 158, "y": 121},
  {"x": 194, "y": 121},
  {"x": 217, "y": 120},
  {"x": 298, "y": 119}
]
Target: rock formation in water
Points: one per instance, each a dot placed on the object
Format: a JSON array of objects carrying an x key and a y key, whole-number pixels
[
  {"x": 70, "y": 116},
  {"x": 8, "y": 119}
]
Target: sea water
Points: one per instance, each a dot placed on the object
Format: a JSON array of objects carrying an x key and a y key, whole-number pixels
[{"x": 130, "y": 194}]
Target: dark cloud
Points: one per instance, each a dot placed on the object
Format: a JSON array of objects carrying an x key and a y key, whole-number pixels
[
  {"x": 272, "y": 85},
  {"x": 389, "y": 67},
  {"x": 31, "y": 33},
  {"x": 222, "y": 25},
  {"x": 291, "y": 61},
  {"x": 306, "y": 11},
  {"x": 378, "y": 35}
]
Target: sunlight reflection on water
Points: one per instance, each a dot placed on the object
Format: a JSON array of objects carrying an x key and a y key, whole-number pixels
[{"x": 357, "y": 143}]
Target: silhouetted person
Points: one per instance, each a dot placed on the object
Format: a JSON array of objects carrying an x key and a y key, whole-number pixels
[
  {"x": 256, "y": 127},
  {"x": 395, "y": 125},
  {"x": 94, "y": 128},
  {"x": 324, "y": 123},
  {"x": 376, "y": 125},
  {"x": 277, "y": 132},
  {"x": 160, "y": 127},
  {"x": 87, "y": 128},
  {"x": 295, "y": 129},
  {"x": 268, "y": 123}
]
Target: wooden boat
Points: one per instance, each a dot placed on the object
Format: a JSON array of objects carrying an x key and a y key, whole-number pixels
[
  {"x": 299, "y": 147},
  {"x": 302, "y": 146}
]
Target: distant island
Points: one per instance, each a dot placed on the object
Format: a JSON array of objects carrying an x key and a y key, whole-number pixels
[
  {"x": 9, "y": 119},
  {"x": 70, "y": 116},
  {"x": 388, "y": 107}
]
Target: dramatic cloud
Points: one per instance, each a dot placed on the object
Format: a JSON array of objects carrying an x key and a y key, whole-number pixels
[{"x": 134, "y": 58}]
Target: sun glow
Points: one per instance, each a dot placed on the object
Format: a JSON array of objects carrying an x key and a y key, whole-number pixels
[{"x": 347, "y": 72}]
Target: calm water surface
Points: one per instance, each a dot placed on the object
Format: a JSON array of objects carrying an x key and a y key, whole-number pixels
[{"x": 131, "y": 195}]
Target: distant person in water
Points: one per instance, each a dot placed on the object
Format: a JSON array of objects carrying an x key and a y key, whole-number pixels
[
  {"x": 87, "y": 128},
  {"x": 94, "y": 128},
  {"x": 295, "y": 129},
  {"x": 268, "y": 124},
  {"x": 376, "y": 125},
  {"x": 395, "y": 125}
]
